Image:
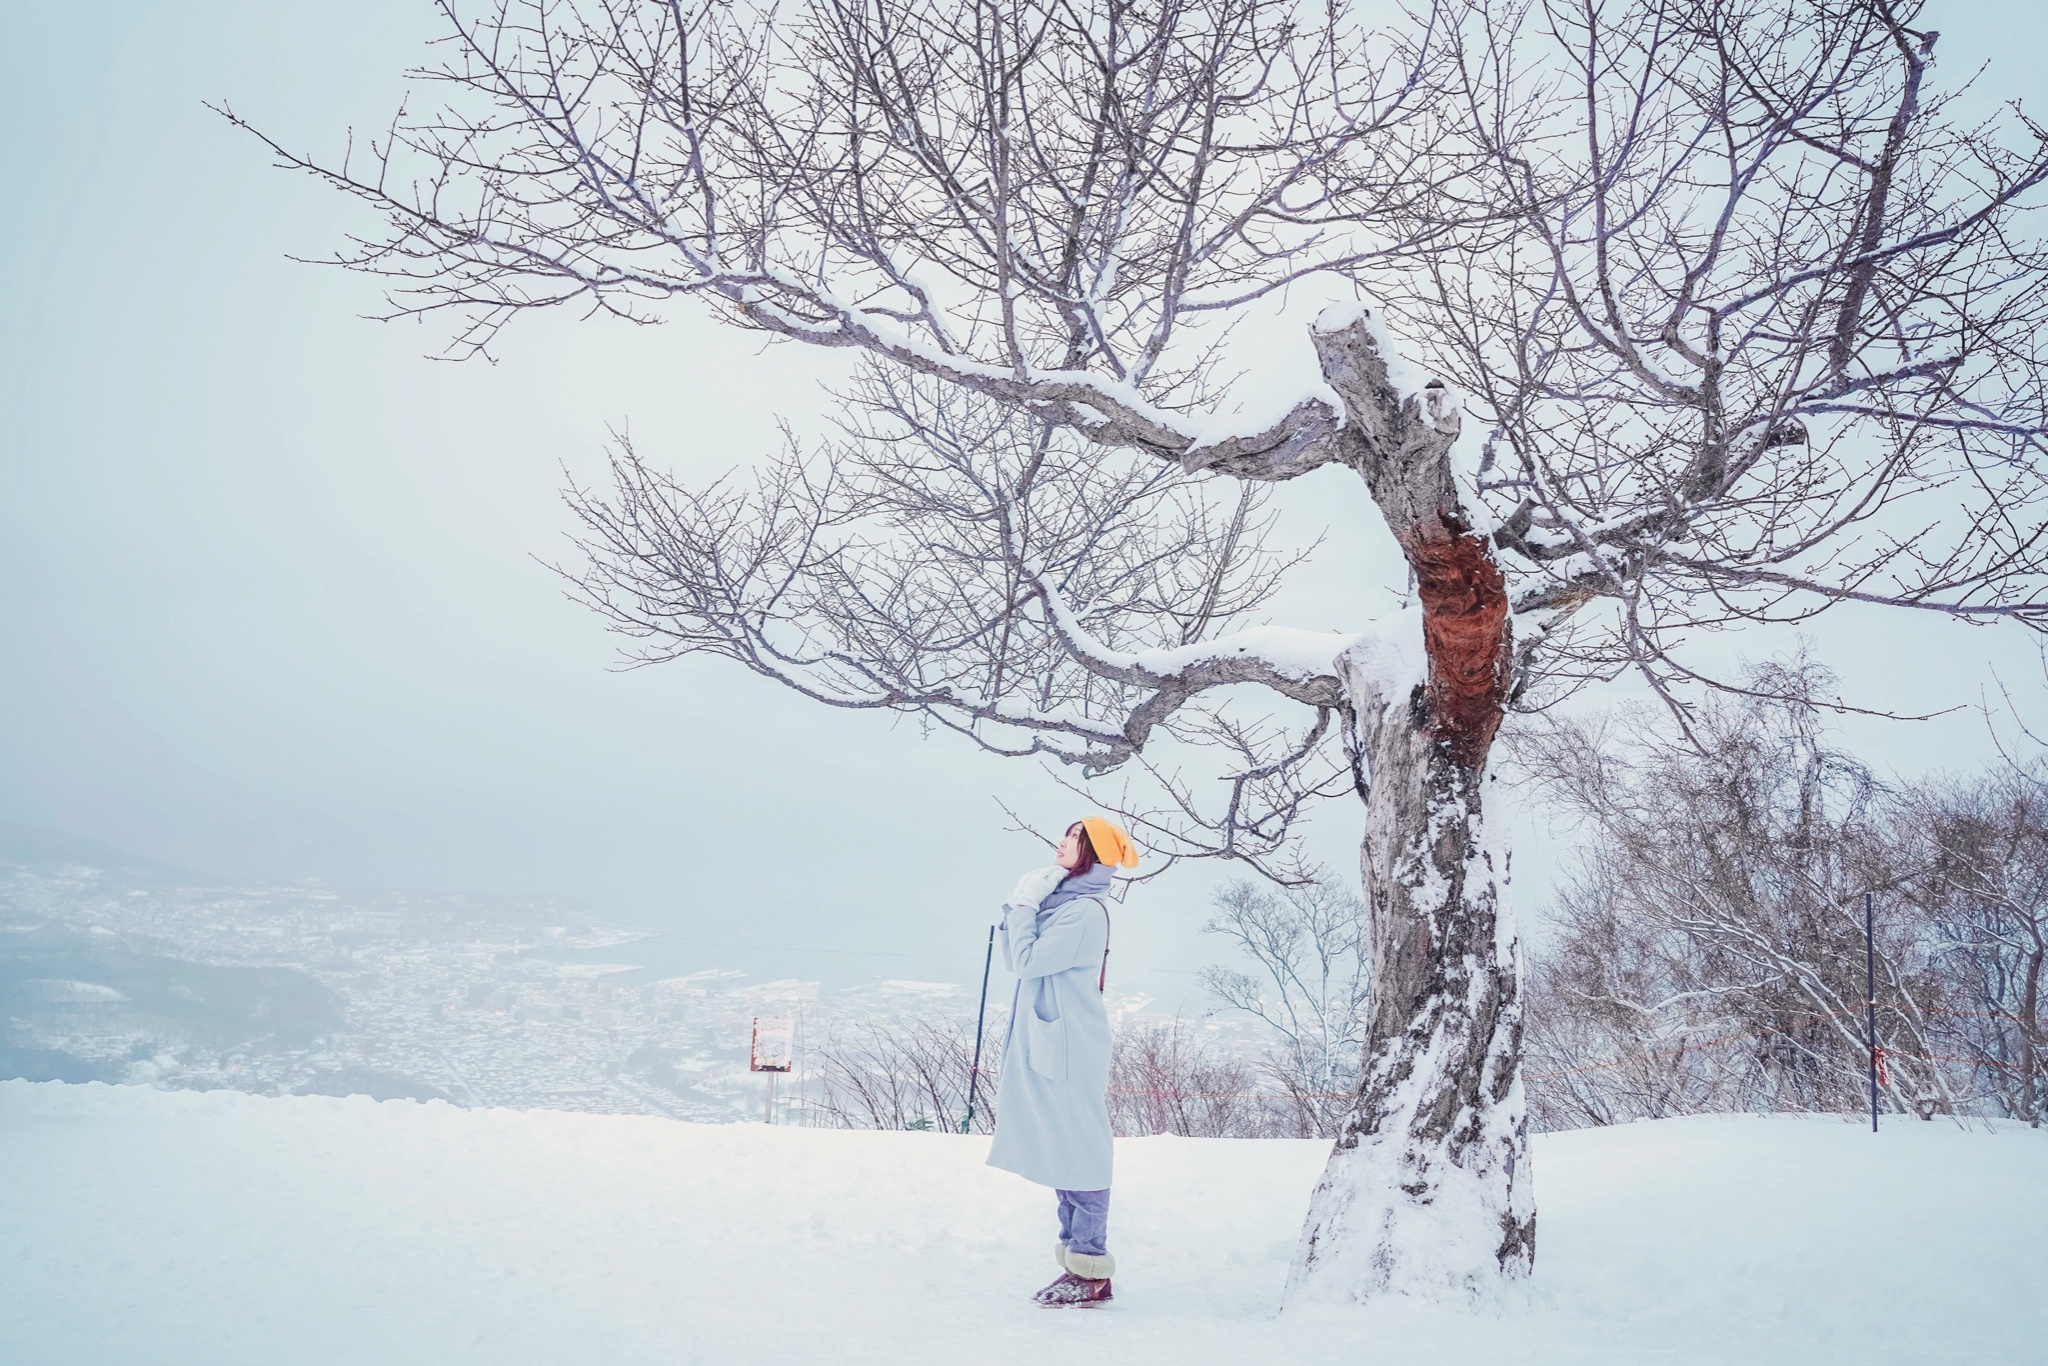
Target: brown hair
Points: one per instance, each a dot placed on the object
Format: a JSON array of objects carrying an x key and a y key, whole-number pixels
[{"x": 1088, "y": 859}]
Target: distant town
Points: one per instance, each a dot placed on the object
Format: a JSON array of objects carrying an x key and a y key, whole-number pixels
[{"x": 125, "y": 973}]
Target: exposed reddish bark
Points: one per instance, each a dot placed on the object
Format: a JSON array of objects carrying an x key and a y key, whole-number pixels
[{"x": 1464, "y": 629}]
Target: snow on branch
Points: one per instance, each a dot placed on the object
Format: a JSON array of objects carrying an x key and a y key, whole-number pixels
[
  {"x": 1294, "y": 663},
  {"x": 953, "y": 560},
  {"x": 989, "y": 208}
]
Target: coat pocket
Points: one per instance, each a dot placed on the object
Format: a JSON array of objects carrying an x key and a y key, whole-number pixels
[{"x": 1046, "y": 1038}]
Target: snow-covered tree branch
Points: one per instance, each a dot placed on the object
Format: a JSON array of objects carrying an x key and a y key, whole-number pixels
[{"x": 997, "y": 577}]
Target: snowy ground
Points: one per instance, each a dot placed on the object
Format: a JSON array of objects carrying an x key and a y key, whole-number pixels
[{"x": 141, "y": 1226}]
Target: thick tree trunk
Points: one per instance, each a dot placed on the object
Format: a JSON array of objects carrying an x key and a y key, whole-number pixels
[{"x": 1427, "y": 1190}]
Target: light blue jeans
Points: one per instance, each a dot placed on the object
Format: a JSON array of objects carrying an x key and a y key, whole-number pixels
[{"x": 1084, "y": 1221}]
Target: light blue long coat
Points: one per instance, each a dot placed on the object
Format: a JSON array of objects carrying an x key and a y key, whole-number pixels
[{"x": 1052, "y": 1110}]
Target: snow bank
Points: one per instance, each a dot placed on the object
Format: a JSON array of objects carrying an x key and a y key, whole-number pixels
[{"x": 140, "y": 1226}]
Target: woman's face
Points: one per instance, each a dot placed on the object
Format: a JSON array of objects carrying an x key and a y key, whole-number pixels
[{"x": 1069, "y": 856}]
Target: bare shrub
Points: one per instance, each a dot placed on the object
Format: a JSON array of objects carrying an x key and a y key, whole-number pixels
[
  {"x": 899, "y": 1072},
  {"x": 1166, "y": 1078},
  {"x": 903, "y": 1073}
]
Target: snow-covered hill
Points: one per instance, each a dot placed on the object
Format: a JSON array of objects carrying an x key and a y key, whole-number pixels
[{"x": 141, "y": 1226}]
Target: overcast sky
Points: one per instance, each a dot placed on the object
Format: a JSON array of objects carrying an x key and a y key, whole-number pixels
[{"x": 271, "y": 599}]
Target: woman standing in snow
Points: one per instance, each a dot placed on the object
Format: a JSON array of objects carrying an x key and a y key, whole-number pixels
[{"x": 1052, "y": 1104}]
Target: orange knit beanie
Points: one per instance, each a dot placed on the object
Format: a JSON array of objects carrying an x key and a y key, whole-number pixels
[{"x": 1112, "y": 845}]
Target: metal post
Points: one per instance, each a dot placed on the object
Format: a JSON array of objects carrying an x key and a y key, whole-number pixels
[
  {"x": 1870, "y": 1000},
  {"x": 768, "y": 1105},
  {"x": 974, "y": 1073}
]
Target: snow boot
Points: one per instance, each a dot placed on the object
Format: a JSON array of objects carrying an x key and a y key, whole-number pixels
[
  {"x": 1074, "y": 1290},
  {"x": 1086, "y": 1281}
]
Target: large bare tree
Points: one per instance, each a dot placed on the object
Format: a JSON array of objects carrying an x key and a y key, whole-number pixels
[{"x": 1722, "y": 316}]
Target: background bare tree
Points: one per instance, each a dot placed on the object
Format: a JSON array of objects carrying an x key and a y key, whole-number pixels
[
  {"x": 1750, "y": 325},
  {"x": 1311, "y": 944},
  {"x": 1979, "y": 851},
  {"x": 1710, "y": 953}
]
